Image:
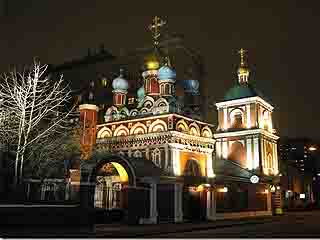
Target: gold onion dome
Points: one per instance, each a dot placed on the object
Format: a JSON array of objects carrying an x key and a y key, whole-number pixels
[{"x": 151, "y": 61}]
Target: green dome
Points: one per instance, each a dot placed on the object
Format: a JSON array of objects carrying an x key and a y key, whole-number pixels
[{"x": 241, "y": 91}]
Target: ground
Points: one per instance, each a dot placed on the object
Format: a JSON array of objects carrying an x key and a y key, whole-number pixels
[{"x": 293, "y": 224}]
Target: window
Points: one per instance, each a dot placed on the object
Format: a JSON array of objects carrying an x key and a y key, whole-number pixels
[
  {"x": 236, "y": 118},
  {"x": 156, "y": 157},
  {"x": 137, "y": 154}
]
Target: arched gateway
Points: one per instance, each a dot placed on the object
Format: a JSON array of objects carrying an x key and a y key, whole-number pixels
[{"x": 110, "y": 181}]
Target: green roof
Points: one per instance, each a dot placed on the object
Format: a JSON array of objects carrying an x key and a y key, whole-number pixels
[{"x": 242, "y": 91}]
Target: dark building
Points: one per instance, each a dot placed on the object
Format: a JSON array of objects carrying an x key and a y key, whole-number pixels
[{"x": 299, "y": 164}]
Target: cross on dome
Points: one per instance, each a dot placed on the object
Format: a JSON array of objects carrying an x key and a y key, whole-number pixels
[
  {"x": 155, "y": 27},
  {"x": 242, "y": 53},
  {"x": 243, "y": 70}
]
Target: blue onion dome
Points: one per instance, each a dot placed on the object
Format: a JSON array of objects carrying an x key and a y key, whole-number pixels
[
  {"x": 140, "y": 92},
  {"x": 165, "y": 72},
  {"x": 120, "y": 83},
  {"x": 191, "y": 86}
]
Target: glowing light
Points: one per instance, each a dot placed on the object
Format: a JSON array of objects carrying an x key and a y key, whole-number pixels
[
  {"x": 121, "y": 171},
  {"x": 224, "y": 190},
  {"x": 312, "y": 149},
  {"x": 302, "y": 196},
  {"x": 278, "y": 187},
  {"x": 266, "y": 191},
  {"x": 273, "y": 189},
  {"x": 200, "y": 188},
  {"x": 152, "y": 65}
]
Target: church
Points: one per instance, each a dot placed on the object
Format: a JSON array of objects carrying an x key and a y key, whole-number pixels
[{"x": 153, "y": 157}]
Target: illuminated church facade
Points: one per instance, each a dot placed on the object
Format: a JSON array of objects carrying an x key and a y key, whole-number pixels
[{"x": 158, "y": 162}]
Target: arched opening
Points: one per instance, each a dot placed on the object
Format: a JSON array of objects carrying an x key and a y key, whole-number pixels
[
  {"x": 265, "y": 120},
  {"x": 111, "y": 178},
  {"x": 236, "y": 117},
  {"x": 238, "y": 153},
  {"x": 192, "y": 168}
]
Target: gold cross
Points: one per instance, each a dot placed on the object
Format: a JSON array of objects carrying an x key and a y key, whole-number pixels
[
  {"x": 242, "y": 53},
  {"x": 157, "y": 23}
]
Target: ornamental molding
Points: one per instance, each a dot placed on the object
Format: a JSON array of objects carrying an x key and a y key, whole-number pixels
[
  {"x": 242, "y": 101},
  {"x": 247, "y": 132},
  {"x": 155, "y": 139}
]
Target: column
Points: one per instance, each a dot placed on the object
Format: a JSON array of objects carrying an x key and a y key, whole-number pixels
[
  {"x": 225, "y": 149},
  {"x": 274, "y": 159},
  {"x": 42, "y": 195},
  {"x": 175, "y": 156},
  {"x": 263, "y": 165},
  {"x": 256, "y": 153},
  {"x": 225, "y": 118},
  {"x": 269, "y": 199},
  {"x": 249, "y": 154},
  {"x": 166, "y": 159},
  {"x": 218, "y": 148},
  {"x": 210, "y": 172},
  {"x": 178, "y": 213},
  {"x": 248, "y": 116},
  {"x": 153, "y": 203},
  {"x": 211, "y": 205}
]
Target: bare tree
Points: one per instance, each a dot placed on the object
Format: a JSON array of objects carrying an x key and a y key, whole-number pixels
[
  {"x": 39, "y": 105},
  {"x": 47, "y": 157}
]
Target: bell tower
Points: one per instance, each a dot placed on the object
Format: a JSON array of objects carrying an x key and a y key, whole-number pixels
[{"x": 245, "y": 131}]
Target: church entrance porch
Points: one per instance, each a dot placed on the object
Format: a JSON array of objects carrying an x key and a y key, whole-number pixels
[
  {"x": 111, "y": 184},
  {"x": 120, "y": 188}
]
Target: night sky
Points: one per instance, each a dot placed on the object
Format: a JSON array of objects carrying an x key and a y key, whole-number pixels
[{"x": 282, "y": 38}]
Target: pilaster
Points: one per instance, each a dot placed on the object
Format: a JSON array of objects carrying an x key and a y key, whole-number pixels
[{"x": 178, "y": 212}]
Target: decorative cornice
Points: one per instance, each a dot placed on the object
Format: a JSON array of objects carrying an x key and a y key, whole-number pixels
[
  {"x": 154, "y": 117},
  {"x": 246, "y": 132},
  {"x": 241, "y": 101},
  {"x": 88, "y": 107}
]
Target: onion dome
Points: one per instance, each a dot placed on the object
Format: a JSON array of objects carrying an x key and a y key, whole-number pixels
[
  {"x": 191, "y": 86},
  {"x": 152, "y": 60},
  {"x": 165, "y": 72},
  {"x": 140, "y": 93},
  {"x": 120, "y": 83}
]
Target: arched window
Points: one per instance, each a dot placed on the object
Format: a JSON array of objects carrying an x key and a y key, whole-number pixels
[
  {"x": 268, "y": 162},
  {"x": 167, "y": 91},
  {"x": 156, "y": 157},
  {"x": 238, "y": 153},
  {"x": 137, "y": 154},
  {"x": 236, "y": 117}
]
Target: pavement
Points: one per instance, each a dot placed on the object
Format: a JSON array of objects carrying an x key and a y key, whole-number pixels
[
  {"x": 291, "y": 224},
  {"x": 148, "y": 231}
]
